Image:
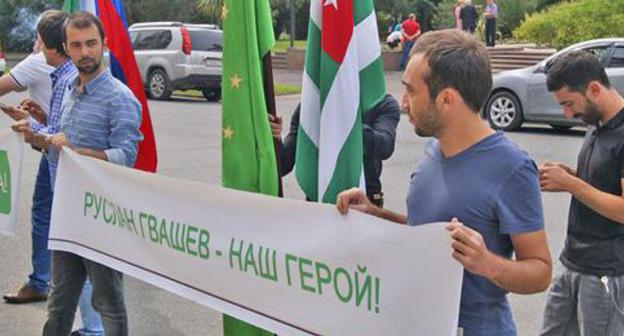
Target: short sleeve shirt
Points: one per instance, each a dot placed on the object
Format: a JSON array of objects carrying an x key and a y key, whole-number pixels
[
  {"x": 33, "y": 73},
  {"x": 410, "y": 27},
  {"x": 491, "y": 187},
  {"x": 595, "y": 244}
]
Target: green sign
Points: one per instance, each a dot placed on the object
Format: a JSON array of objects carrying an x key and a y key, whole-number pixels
[{"x": 5, "y": 183}]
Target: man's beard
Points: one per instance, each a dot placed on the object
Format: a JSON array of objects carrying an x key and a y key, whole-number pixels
[
  {"x": 592, "y": 115},
  {"x": 92, "y": 67},
  {"x": 428, "y": 123}
]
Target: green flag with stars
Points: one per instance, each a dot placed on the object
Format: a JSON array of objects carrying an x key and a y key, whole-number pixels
[{"x": 248, "y": 157}]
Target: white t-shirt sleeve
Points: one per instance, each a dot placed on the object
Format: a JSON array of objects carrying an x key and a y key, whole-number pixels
[{"x": 33, "y": 73}]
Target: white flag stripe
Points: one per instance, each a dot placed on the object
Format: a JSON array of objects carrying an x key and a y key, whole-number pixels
[
  {"x": 338, "y": 115},
  {"x": 368, "y": 51},
  {"x": 316, "y": 13},
  {"x": 310, "y": 113}
]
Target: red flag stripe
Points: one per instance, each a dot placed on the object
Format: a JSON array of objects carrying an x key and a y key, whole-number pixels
[
  {"x": 337, "y": 28},
  {"x": 119, "y": 47}
]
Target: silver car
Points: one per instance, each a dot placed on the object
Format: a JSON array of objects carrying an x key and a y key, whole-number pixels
[
  {"x": 178, "y": 56},
  {"x": 521, "y": 95}
]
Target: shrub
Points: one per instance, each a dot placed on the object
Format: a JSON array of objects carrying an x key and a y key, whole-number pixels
[{"x": 572, "y": 22}]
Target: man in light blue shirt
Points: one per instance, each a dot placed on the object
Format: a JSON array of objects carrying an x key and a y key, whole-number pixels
[
  {"x": 491, "y": 12},
  {"x": 100, "y": 118}
]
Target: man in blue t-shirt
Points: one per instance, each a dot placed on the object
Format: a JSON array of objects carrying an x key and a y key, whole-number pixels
[{"x": 472, "y": 177}]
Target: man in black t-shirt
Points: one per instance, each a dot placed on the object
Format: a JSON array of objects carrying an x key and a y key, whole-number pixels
[{"x": 588, "y": 297}]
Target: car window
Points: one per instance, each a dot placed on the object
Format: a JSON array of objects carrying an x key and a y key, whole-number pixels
[
  {"x": 206, "y": 40},
  {"x": 600, "y": 52},
  {"x": 133, "y": 38},
  {"x": 152, "y": 39},
  {"x": 617, "y": 60}
]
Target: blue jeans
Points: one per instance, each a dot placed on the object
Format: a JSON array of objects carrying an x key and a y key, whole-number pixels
[
  {"x": 91, "y": 321},
  {"x": 39, "y": 279},
  {"x": 580, "y": 304},
  {"x": 487, "y": 319},
  {"x": 69, "y": 272},
  {"x": 407, "y": 46}
]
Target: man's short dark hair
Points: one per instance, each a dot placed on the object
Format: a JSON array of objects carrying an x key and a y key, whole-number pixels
[
  {"x": 83, "y": 20},
  {"x": 50, "y": 29},
  {"x": 575, "y": 70},
  {"x": 456, "y": 60}
]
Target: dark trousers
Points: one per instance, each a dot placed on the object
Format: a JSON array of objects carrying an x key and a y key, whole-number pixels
[{"x": 490, "y": 32}]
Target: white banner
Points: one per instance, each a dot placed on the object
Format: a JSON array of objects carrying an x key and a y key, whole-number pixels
[
  {"x": 288, "y": 266},
  {"x": 11, "y": 155}
]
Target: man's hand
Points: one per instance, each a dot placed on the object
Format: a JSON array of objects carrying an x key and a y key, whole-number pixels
[
  {"x": 15, "y": 113},
  {"x": 276, "y": 126},
  {"x": 35, "y": 111},
  {"x": 59, "y": 141},
  {"x": 470, "y": 250},
  {"x": 556, "y": 177},
  {"x": 356, "y": 199},
  {"x": 22, "y": 126}
]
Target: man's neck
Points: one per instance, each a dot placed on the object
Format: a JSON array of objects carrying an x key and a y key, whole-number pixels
[
  {"x": 85, "y": 78},
  {"x": 461, "y": 134},
  {"x": 613, "y": 104},
  {"x": 61, "y": 60}
]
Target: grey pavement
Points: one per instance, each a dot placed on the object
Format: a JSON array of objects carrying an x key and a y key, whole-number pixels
[{"x": 188, "y": 140}]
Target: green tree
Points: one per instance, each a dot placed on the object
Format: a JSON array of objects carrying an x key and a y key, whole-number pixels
[
  {"x": 17, "y": 22},
  {"x": 571, "y": 22}
]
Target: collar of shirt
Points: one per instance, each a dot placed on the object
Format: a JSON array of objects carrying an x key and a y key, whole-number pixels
[
  {"x": 62, "y": 70},
  {"x": 615, "y": 122},
  {"x": 92, "y": 85}
]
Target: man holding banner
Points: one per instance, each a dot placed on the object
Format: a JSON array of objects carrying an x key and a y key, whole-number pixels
[
  {"x": 111, "y": 134},
  {"x": 473, "y": 174}
]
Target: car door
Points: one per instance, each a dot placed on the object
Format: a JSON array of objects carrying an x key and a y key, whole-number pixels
[
  {"x": 542, "y": 105},
  {"x": 150, "y": 44},
  {"x": 206, "y": 53},
  {"x": 615, "y": 68}
]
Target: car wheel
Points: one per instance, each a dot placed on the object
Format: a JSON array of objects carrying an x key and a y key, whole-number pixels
[
  {"x": 560, "y": 128},
  {"x": 159, "y": 86},
  {"x": 504, "y": 112},
  {"x": 212, "y": 95}
]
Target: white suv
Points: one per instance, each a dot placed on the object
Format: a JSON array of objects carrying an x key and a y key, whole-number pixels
[{"x": 178, "y": 56}]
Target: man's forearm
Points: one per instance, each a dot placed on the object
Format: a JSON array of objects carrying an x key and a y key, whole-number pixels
[
  {"x": 390, "y": 215},
  {"x": 522, "y": 277},
  {"x": 92, "y": 153},
  {"x": 607, "y": 205}
]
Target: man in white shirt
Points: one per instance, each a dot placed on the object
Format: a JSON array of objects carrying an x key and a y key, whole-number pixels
[{"x": 33, "y": 74}]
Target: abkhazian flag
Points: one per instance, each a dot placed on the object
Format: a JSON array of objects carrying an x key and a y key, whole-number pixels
[
  {"x": 343, "y": 79},
  {"x": 248, "y": 156},
  {"x": 123, "y": 66}
]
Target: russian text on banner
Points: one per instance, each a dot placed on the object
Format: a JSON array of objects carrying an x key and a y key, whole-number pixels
[
  {"x": 291, "y": 267},
  {"x": 11, "y": 154}
]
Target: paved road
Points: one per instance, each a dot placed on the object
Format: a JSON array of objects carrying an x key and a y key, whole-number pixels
[{"x": 188, "y": 140}]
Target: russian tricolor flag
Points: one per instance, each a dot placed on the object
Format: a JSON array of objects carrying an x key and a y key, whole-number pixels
[{"x": 123, "y": 66}]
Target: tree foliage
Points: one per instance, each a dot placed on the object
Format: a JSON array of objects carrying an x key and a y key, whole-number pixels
[
  {"x": 17, "y": 22},
  {"x": 571, "y": 22}
]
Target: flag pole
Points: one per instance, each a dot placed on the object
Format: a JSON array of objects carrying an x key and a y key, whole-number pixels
[{"x": 269, "y": 97}]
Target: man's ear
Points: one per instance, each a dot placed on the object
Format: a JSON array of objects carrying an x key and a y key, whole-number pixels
[
  {"x": 447, "y": 99},
  {"x": 594, "y": 89}
]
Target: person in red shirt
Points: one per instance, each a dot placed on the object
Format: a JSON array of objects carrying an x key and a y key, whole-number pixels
[{"x": 411, "y": 30}]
